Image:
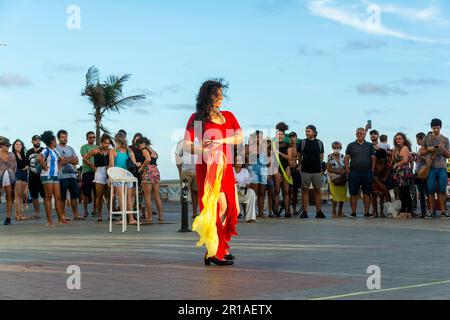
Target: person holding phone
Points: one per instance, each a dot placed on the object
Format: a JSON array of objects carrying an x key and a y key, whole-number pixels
[{"x": 436, "y": 147}]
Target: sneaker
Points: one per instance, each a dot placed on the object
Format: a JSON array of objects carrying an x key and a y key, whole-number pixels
[
  {"x": 304, "y": 215},
  {"x": 320, "y": 215},
  {"x": 352, "y": 216},
  {"x": 288, "y": 216},
  {"x": 7, "y": 222},
  {"x": 369, "y": 216},
  {"x": 429, "y": 215}
]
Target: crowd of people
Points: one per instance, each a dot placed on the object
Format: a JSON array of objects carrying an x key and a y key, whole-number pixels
[
  {"x": 272, "y": 173},
  {"x": 52, "y": 171}
]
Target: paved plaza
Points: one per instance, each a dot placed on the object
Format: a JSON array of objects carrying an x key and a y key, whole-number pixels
[{"x": 277, "y": 259}]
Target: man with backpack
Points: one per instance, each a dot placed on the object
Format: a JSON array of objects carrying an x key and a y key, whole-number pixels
[
  {"x": 35, "y": 185},
  {"x": 311, "y": 154}
]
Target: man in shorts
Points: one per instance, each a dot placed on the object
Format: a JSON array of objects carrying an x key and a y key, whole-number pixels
[
  {"x": 68, "y": 175},
  {"x": 35, "y": 185},
  {"x": 437, "y": 148},
  {"x": 360, "y": 163},
  {"x": 88, "y": 174},
  {"x": 311, "y": 155}
]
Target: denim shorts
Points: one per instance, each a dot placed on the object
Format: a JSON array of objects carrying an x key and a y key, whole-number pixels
[
  {"x": 130, "y": 185},
  {"x": 258, "y": 174},
  {"x": 363, "y": 179},
  {"x": 49, "y": 180},
  {"x": 22, "y": 175},
  {"x": 437, "y": 181}
]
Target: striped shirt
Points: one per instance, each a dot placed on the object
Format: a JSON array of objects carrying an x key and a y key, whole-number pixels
[{"x": 52, "y": 162}]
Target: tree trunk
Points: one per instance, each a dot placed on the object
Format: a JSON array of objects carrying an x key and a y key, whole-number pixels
[{"x": 98, "y": 123}]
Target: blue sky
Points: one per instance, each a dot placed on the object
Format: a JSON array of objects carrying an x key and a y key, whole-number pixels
[{"x": 303, "y": 62}]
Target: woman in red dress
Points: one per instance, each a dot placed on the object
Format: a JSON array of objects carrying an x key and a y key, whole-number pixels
[{"x": 218, "y": 133}]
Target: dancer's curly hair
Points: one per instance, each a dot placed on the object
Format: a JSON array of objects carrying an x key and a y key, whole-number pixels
[
  {"x": 204, "y": 99},
  {"x": 47, "y": 137}
]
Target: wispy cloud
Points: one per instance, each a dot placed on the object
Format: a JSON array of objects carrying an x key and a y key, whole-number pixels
[
  {"x": 376, "y": 111},
  {"x": 401, "y": 87},
  {"x": 180, "y": 106},
  {"x": 9, "y": 80},
  {"x": 424, "y": 82},
  {"x": 64, "y": 67},
  {"x": 430, "y": 14},
  {"x": 380, "y": 90},
  {"x": 172, "y": 89},
  {"x": 350, "y": 17},
  {"x": 141, "y": 111},
  {"x": 308, "y": 51},
  {"x": 365, "y": 45}
]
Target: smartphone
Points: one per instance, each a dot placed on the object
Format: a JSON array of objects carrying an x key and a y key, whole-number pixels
[{"x": 369, "y": 124}]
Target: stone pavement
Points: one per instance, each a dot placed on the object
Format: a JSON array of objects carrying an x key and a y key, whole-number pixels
[{"x": 277, "y": 259}]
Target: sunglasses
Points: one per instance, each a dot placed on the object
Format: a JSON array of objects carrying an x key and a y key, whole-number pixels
[{"x": 91, "y": 137}]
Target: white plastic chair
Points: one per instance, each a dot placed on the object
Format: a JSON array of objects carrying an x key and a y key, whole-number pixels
[{"x": 124, "y": 177}]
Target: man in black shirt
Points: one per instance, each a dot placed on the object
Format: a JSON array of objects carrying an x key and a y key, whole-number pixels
[
  {"x": 34, "y": 184},
  {"x": 311, "y": 153}
]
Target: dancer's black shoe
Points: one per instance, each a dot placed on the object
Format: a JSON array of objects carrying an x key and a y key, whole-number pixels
[
  {"x": 218, "y": 262},
  {"x": 230, "y": 257}
]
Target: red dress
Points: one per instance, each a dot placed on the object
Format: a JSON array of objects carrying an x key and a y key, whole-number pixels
[{"x": 213, "y": 131}]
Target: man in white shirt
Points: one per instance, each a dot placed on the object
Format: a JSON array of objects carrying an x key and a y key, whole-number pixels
[
  {"x": 186, "y": 168},
  {"x": 246, "y": 195}
]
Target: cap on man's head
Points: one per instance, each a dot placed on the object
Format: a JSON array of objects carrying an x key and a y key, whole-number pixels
[
  {"x": 374, "y": 132},
  {"x": 313, "y": 128},
  {"x": 36, "y": 137}
]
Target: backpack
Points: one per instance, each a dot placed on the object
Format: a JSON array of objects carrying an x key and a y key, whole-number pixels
[
  {"x": 303, "y": 146},
  {"x": 38, "y": 166}
]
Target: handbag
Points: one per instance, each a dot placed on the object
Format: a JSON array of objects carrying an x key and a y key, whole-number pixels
[
  {"x": 340, "y": 180},
  {"x": 425, "y": 170}
]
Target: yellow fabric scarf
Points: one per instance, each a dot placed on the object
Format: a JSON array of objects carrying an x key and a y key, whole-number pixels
[{"x": 205, "y": 223}]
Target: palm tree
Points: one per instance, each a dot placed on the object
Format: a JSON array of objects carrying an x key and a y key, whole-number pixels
[{"x": 106, "y": 97}]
